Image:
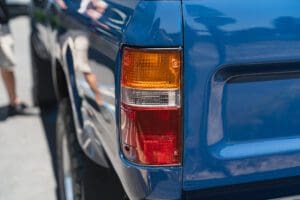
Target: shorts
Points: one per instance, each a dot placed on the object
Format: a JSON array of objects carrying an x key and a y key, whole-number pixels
[
  {"x": 81, "y": 43},
  {"x": 7, "y": 57}
]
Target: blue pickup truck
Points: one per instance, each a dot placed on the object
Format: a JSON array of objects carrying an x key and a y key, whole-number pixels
[{"x": 171, "y": 99}]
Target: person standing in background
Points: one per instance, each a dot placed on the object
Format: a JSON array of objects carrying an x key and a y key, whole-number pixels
[{"x": 7, "y": 63}]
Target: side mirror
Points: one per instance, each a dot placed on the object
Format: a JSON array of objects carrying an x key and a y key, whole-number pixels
[{"x": 16, "y": 10}]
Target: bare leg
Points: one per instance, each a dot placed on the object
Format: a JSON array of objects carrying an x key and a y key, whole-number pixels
[
  {"x": 92, "y": 81},
  {"x": 10, "y": 84}
]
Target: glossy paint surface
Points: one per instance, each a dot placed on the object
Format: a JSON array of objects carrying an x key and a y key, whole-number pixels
[
  {"x": 241, "y": 84},
  {"x": 241, "y": 96},
  {"x": 86, "y": 38}
]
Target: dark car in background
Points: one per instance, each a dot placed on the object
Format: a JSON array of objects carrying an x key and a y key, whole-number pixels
[
  {"x": 18, "y": 7},
  {"x": 171, "y": 99}
]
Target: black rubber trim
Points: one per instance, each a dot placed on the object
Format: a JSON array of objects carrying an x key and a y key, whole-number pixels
[
  {"x": 257, "y": 190},
  {"x": 258, "y": 72}
]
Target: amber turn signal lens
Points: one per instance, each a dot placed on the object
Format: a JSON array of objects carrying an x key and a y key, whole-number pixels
[{"x": 151, "y": 69}]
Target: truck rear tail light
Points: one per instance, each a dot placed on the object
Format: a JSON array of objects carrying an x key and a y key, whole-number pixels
[{"x": 150, "y": 106}]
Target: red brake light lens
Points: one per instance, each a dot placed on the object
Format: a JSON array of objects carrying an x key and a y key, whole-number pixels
[{"x": 151, "y": 135}]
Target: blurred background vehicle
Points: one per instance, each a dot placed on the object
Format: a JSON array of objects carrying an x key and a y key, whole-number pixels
[
  {"x": 42, "y": 91},
  {"x": 18, "y": 7}
]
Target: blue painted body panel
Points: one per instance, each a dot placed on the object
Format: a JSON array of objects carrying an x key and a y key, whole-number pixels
[
  {"x": 241, "y": 85},
  {"x": 87, "y": 46},
  {"x": 241, "y": 91}
]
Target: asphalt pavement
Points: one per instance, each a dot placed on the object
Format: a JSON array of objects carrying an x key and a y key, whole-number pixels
[{"x": 26, "y": 142}]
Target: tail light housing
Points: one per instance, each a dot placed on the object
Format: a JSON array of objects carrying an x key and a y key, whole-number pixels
[{"x": 151, "y": 123}]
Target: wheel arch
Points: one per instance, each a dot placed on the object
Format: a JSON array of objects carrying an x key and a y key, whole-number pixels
[
  {"x": 66, "y": 87},
  {"x": 64, "y": 81}
]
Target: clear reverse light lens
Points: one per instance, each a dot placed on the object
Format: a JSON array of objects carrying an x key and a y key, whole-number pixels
[{"x": 157, "y": 98}]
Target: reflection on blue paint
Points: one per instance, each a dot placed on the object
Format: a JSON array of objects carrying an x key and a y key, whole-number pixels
[{"x": 246, "y": 130}]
